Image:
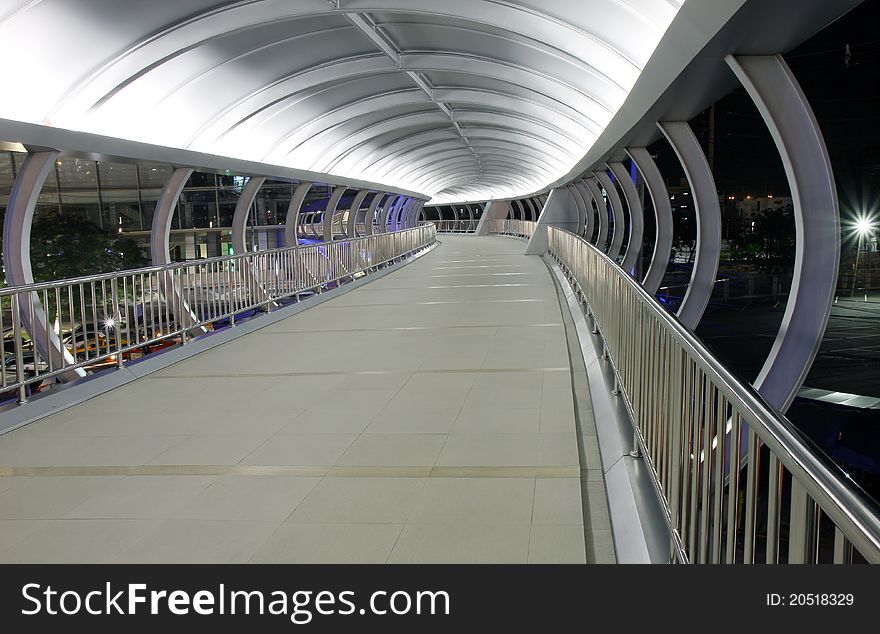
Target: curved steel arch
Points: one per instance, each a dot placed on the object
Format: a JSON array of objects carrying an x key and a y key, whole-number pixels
[
  {"x": 581, "y": 207},
  {"x": 792, "y": 124},
  {"x": 616, "y": 208},
  {"x": 636, "y": 217},
  {"x": 288, "y": 86},
  {"x": 405, "y": 149},
  {"x": 432, "y": 158},
  {"x": 291, "y": 222},
  {"x": 353, "y": 213},
  {"x": 506, "y": 101},
  {"x": 602, "y": 210},
  {"x": 242, "y": 210},
  {"x": 17, "y": 225},
  {"x": 705, "y": 198},
  {"x": 662, "y": 218},
  {"x": 370, "y": 217},
  {"x": 587, "y": 196},
  {"x": 322, "y": 126},
  {"x": 522, "y": 21},
  {"x": 396, "y": 125},
  {"x": 566, "y": 76}
]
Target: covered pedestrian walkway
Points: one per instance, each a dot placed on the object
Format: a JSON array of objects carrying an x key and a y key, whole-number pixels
[{"x": 426, "y": 416}]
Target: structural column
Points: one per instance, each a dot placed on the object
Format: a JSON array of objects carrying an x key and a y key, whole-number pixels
[
  {"x": 616, "y": 206},
  {"x": 589, "y": 221},
  {"x": 662, "y": 218},
  {"x": 160, "y": 237},
  {"x": 17, "y": 259},
  {"x": 636, "y": 217},
  {"x": 794, "y": 129},
  {"x": 370, "y": 216},
  {"x": 581, "y": 205},
  {"x": 402, "y": 213},
  {"x": 330, "y": 211},
  {"x": 602, "y": 208},
  {"x": 291, "y": 223},
  {"x": 705, "y": 197},
  {"x": 560, "y": 211},
  {"x": 412, "y": 219},
  {"x": 351, "y": 228},
  {"x": 390, "y": 207},
  {"x": 242, "y": 211},
  {"x": 160, "y": 246},
  {"x": 494, "y": 210}
]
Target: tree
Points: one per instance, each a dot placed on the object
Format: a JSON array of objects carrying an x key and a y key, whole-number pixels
[{"x": 66, "y": 246}]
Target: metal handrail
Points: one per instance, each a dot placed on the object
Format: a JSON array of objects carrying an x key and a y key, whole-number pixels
[
  {"x": 699, "y": 428},
  {"x": 113, "y": 318},
  {"x": 455, "y": 226},
  {"x": 513, "y": 227}
]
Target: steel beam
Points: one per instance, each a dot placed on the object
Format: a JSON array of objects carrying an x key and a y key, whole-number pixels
[
  {"x": 616, "y": 208},
  {"x": 353, "y": 212},
  {"x": 160, "y": 238},
  {"x": 160, "y": 246},
  {"x": 662, "y": 218},
  {"x": 602, "y": 209},
  {"x": 590, "y": 220},
  {"x": 242, "y": 211},
  {"x": 636, "y": 227},
  {"x": 17, "y": 259},
  {"x": 330, "y": 211},
  {"x": 705, "y": 198},
  {"x": 581, "y": 206},
  {"x": 785, "y": 110},
  {"x": 291, "y": 223},
  {"x": 370, "y": 216},
  {"x": 559, "y": 211},
  {"x": 389, "y": 209}
]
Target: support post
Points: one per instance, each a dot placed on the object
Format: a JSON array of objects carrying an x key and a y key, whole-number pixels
[
  {"x": 17, "y": 265},
  {"x": 160, "y": 248},
  {"x": 560, "y": 211},
  {"x": 636, "y": 216},
  {"x": 353, "y": 212},
  {"x": 602, "y": 207},
  {"x": 617, "y": 213},
  {"x": 370, "y": 217},
  {"x": 662, "y": 218},
  {"x": 794, "y": 129},
  {"x": 291, "y": 223},
  {"x": 705, "y": 198},
  {"x": 242, "y": 211},
  {"x": 330, "y": 211}
]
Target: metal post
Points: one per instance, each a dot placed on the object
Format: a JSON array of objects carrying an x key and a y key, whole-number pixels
[{"x": 794, "y": 129}]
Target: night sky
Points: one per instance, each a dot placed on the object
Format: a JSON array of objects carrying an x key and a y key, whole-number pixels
[{"x": 845, "y": 99}]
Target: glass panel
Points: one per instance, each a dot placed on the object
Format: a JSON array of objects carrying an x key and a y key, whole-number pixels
[{"x": 120, "y": 197}]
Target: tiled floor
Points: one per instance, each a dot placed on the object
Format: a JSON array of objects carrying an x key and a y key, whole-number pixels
[{"x": 424, "y": 417}]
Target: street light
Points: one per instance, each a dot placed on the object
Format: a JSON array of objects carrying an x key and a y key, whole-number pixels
[{"x": 864, "y": 227}]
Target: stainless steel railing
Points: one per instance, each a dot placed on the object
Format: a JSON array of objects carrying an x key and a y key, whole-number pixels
[
  {"x": 455, "y": 226},
  {"x": 739, "y": 482},
  {"x": 512, "y": 227},
  {"x": 110, "y": 319}
]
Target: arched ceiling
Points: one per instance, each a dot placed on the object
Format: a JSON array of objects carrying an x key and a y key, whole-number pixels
[{"x": 459, "y": 99}]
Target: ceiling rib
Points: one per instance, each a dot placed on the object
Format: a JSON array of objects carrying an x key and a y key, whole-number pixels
[{"x": 366, "y": 25}]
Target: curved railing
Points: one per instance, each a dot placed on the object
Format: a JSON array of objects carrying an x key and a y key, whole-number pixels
[
  {"x": 455, "y": 226},
  {"x": 512, "y": 227},
  {"x": 739, "y": 482},
  {"x": 109, "y": 319}
]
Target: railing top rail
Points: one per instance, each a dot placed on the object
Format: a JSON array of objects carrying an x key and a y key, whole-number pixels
[
  {"x": 85, "y": 279},
  {"x": 851, "y": 508}
]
